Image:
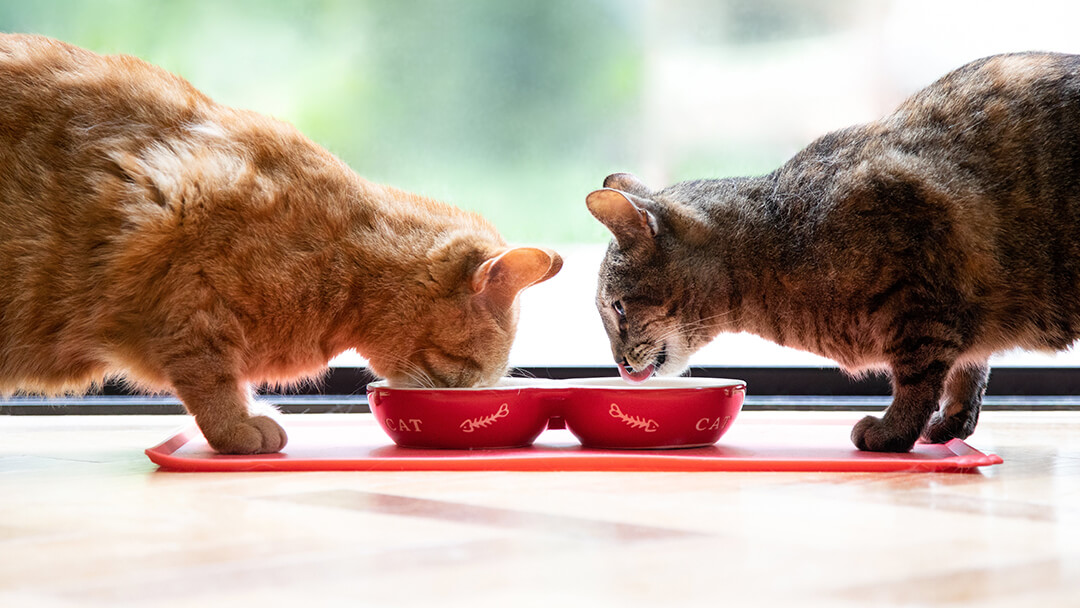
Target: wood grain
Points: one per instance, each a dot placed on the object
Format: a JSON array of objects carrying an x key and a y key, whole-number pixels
[{"x": 87, "y": 520}]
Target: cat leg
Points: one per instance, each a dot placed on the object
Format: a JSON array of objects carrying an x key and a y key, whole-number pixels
[
  {"x": 964, "y": 390},
  {"x": 222, "y": 409},
  {"x": 202, "y": 361},
  {"x": 201, "y": 371},
  {"x": 917, "y": 388}
]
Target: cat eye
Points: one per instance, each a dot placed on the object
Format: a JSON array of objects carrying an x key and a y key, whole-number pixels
[{"x": 617, "y": 305}]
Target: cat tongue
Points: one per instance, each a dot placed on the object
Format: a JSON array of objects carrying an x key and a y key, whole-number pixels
[{"x": 636, "y": 377}]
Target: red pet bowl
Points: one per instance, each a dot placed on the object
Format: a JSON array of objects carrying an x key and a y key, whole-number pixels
[
  {"x": 601, "y": 412},
  {"x": 507, "y": 415}
]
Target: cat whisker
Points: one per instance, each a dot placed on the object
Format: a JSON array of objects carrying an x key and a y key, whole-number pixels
[
  {"x": 523, "y": 373},
  {"x": 710, "y": 320},
  {"x": 677, "y": 332},
  {"x": 684, "y": 331},
  {"x": 416, "y": 374}
]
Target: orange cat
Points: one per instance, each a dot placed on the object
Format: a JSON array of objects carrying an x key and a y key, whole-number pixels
[{"x": 150, "y": 233}]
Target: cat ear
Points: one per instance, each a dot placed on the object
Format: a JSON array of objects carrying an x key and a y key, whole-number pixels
[
  {"x": 629, "y": 221},
  {"x": 499, "y": 279},
  {"x": 627, "y": 182}
]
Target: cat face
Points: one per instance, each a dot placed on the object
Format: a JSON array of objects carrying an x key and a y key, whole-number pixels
[
  {"x": 645, "y": 296},
  {"x": 464, "y": 322}
]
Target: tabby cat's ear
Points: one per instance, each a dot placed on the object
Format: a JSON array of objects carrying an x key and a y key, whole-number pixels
[
  {"x": 628, "y": 220},
  {"x": 499, "y": 279},
  {"x": 627, "y": 182}
]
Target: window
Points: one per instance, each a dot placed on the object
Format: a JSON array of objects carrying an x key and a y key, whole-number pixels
[{"x": 519, "y": 109}]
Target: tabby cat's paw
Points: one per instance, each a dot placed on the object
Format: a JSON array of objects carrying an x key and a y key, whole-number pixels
[
  {"x": 942, "y": 428},
  {"x": 255, "y": 435},
  {"x": 872, "y": 435}
]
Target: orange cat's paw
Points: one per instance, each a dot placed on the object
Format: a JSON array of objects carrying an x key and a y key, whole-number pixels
[{"x": 255, "y": 435}]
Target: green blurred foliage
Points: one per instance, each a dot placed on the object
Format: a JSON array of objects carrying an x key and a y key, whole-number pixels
[{"x": 514, "y": 109}]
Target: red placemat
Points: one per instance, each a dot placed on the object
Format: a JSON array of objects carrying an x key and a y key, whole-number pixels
[{"x": 354, "y": 442}]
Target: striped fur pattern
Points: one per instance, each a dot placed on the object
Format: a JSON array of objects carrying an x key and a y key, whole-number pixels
[{"x": 919, "y": 244}]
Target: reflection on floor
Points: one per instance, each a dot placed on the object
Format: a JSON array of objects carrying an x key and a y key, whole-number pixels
[{"x": 86, "y": 520}]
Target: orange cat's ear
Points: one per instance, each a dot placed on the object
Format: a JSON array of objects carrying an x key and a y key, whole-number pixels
[
  {"x": 499, "y": 279},
  {"x": 630, "y": 222}
]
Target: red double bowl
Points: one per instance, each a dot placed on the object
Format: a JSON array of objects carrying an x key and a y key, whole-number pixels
[{"x": 660, "y": 413}]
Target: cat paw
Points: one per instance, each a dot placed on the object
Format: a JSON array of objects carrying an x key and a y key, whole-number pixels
[
  {"x": 254, "y": 435},
  {"x": 872, "y": 435},
  {"x": 942, "y": 428}
]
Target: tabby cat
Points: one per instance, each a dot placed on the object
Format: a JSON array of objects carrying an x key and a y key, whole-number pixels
[
  {"x": 150, "y": 233},
  {"x": 919, "y": 244}
]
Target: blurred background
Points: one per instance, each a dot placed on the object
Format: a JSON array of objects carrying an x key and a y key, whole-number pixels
[{"x": 519, "y": 109}]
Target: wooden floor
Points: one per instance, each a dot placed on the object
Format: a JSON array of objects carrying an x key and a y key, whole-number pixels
[{"x": 86, "y": 520}]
